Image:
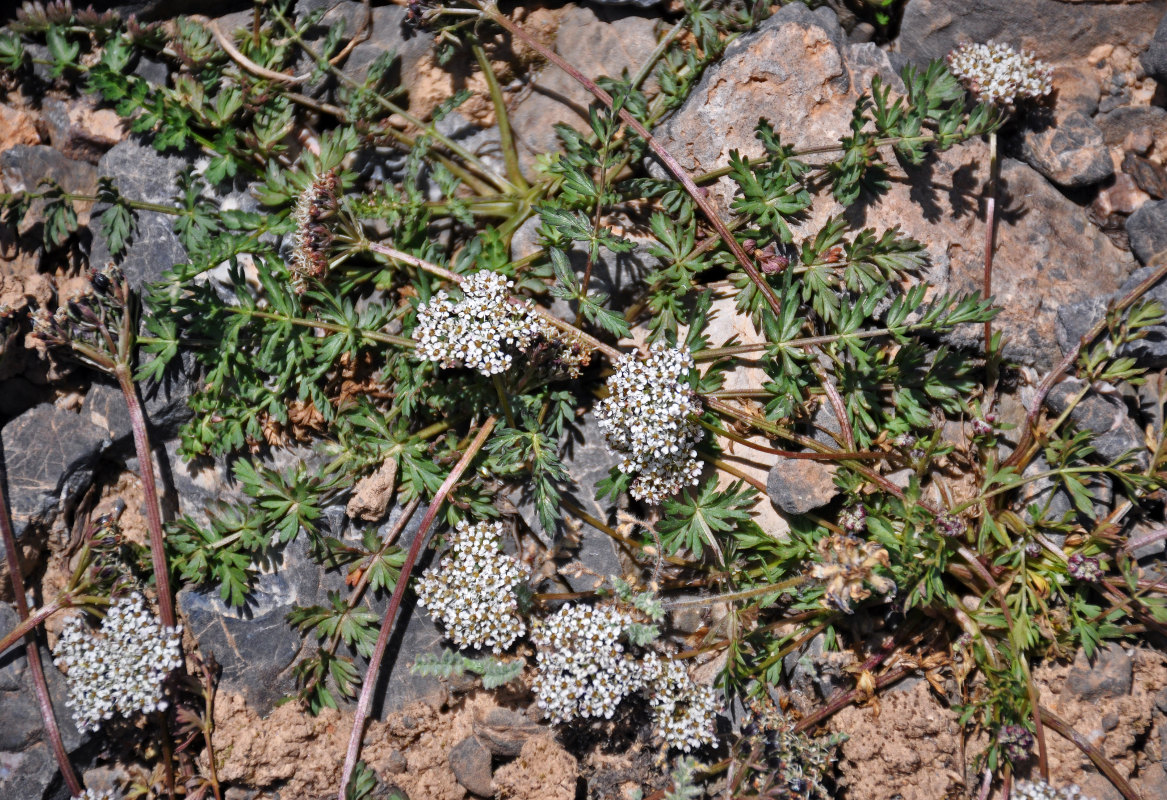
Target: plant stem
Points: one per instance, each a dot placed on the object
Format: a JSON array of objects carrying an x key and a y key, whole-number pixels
[
  {"x": 373, "y": 336},
  {"x": 419, "y": 540},
  {"x": 29, "y": 622},
  {"x": 506, "y": 139},
  {"x": 990, "y": 246},
  {"x": 1094, "y": 754},
  {"x": 149, "y": 491},
  {"x": 32, "y": 646}
]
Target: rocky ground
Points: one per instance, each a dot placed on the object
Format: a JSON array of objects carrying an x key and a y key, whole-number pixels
[{"x": 1084, "y": 199}]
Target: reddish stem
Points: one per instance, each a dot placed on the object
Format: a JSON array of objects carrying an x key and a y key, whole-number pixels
[
  {"x": 1095, "y": 755},
  {"x": 699, "y": 195},
  {"x": 149, "y": 491},
  {"x": 32, "y": 648},
  {"x": 419, "y": 540}
]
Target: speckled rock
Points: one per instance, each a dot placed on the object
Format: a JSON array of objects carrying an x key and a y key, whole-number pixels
[
  {"x": 1057, "y": 31},
  {"x": 1068, "y": 149}
]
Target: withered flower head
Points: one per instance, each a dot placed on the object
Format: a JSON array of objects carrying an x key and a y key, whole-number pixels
[
  {"x": 312, "y": 238},
  {"x": 847, "y": 567}
]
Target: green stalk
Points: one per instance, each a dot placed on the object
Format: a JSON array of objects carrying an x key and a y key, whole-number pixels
[{"x": 510, "y": 153}]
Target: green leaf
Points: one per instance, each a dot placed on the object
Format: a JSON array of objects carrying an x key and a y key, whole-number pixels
[{"x": 696, "y": 522}]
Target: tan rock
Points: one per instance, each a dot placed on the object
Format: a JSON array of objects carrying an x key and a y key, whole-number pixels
[
  {"x": 16, "y": 127},
  {"x": 543, "y": 770},
  {"x": 595, "y": 45}
]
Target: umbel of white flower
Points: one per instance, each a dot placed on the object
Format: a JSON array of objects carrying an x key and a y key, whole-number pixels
[
  {"x": 996, "y": 73},
  {"x": 483, "y": 331},
  {"x": 1040, "y": 790},
  {"x": 93, "y": 794},
  {"x": 649, "y": 419},
  {"x": 472, "y": 589},
  {"x": 119, "y": 671},
  {"x": 584, "y": 671}
]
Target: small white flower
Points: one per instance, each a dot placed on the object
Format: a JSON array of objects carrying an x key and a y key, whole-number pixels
[
  {"x": 1040, "y": 790},
  {"x": 472, "y": 589},
  {"x": 648, "y": 418},
  {"x": 93, "y": 794},
  {"x": 122, "y": 669},
  {"x": 996, "y": 73}
]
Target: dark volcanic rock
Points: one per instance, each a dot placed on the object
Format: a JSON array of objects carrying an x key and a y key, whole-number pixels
[
  {"x": 50, "y": 455},
  {"x": 1069, "y": 151},
  {"x": 1147, "y": 229},
  {"x": 1056, "y": 31},
  {"x": 142, "y": 173},
  {"x": 1105, "y": 416},
  {"x": 27, "y": 765},
  {"x": 1154, "y": 58}
]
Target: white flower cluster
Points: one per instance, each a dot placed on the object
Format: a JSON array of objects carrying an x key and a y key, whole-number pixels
[
  {"x": 996, "y": 73},
  {"x": 648, "y": 419},
  {"x": 1040, "y": 790},
  {"x": 583, "y": 671},
  {"x": 683, "y": 711},
  {"x": 93, "y": 794},
  {"x": 481, "y": 332},
  {"x": 472, "y": 589},
  {"x": 122, "y": 669}
]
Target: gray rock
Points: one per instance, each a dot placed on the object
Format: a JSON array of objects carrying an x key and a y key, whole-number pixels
[
  {"x": 1069, "y": 151},
  {"x": 617, "y": 275},
  {"x": 151, "y": 10},
  {"x": 18, "y": 394},
  {"x": 23, "y": 168},
  {"x": 813, "y": 669},
  {"x": 258, "y": 649},
  {"x": 1106, "y": 416},
  {"x": 470, "y": 763},
  {"x": 1074, "y": 321},
  {"x": 1138, "y": 121},
  {"x": 142, "y": 173},
  {"x": 390, "y": 34},
  {"x": 797, "y": 54},
  {"x": 27, "y": 766},
  {"x": 1154, "y": 58},
  {"x": 1110, "y": 675},
  {"x": 153, "y": 72},
  {"x": 797, "y": 486},
  {"x": 50, "y": 455},
  {"x": 597, "y": 41},
  {"x": 1147, "y": 229},
  {"x": 588, "y": 462},
  {"x": 1056, "y": 31},
  {"x": 637, "y": 3},
  {"x": 163, "y": 403}
]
